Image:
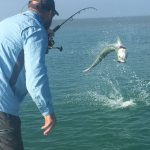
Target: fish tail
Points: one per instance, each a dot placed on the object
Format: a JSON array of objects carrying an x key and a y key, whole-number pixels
[{"x": 86, "y": 70}]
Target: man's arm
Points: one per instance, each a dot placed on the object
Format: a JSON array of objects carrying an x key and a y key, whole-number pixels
[{"x": 35, "y": 47}]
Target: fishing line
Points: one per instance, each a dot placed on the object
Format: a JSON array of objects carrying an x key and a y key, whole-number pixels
[{"x": 23, "y": 7}]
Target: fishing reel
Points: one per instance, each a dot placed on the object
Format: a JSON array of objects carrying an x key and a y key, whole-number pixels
[{"x": 51, "y": 41}]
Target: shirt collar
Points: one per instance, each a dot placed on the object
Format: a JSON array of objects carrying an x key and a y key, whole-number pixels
[{"x": 34, "y": 15}]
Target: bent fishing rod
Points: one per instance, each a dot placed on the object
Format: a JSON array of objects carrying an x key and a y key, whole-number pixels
[{"x": 50, "y": 38}]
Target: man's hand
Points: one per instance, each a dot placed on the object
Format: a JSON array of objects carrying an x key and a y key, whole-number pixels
[
  {"x": 50, "y": 121},
  {"x": 50, "y": 38},
  {"x": 51, "y": 34}
]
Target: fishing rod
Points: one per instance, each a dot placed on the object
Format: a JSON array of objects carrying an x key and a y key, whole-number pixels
[
  {"x": 50, "y": 38},
  {"x": 71, "y": 17}
]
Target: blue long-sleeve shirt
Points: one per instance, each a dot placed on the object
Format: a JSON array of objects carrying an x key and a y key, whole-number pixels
[{"x": 23, "y": 44}]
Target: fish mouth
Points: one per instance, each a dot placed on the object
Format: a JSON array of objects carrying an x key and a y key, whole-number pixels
[{"x": 121, "y": 61}]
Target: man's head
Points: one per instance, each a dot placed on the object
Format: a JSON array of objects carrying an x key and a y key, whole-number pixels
[{"x": 45, "y": 8}]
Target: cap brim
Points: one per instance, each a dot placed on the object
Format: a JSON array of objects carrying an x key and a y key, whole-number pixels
[{"x": 56, "y": 13}]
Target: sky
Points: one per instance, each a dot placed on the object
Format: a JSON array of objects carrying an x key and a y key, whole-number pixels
[{"x": 105, "y": 8}]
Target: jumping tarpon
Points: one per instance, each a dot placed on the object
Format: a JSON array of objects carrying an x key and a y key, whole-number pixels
[{"x": 117, "y": 47}]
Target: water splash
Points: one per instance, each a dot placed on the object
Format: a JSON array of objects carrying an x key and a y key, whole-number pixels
[
  {"x": 121, "y": 88},
  {"x": 114, "y": 103}
]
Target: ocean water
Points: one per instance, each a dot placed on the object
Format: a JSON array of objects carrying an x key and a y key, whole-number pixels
[{"x": 105, "y": 109}]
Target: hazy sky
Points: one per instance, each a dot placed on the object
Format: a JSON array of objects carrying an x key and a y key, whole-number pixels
[{"x": 106, "y": 8}]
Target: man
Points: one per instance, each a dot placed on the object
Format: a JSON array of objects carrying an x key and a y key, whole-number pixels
[{"x": 23, "y": 45}]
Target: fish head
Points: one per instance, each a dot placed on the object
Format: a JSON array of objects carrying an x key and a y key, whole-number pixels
[
  {"x": 121, "y": 51},
  {"x": 121, "y": 54}
]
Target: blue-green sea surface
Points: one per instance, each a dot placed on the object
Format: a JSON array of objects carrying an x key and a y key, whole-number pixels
[{"x": 105, "y": 109}]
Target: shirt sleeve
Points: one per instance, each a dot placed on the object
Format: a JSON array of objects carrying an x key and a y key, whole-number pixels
[{"x": 35, "y": 47}]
